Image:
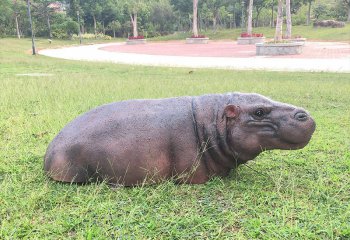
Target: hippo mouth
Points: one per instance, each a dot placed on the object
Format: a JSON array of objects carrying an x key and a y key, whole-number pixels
[
  {"x": 287, "y": 138},
  {"x": 299, "y": 139},
  {"x": 290, "y": 145}
]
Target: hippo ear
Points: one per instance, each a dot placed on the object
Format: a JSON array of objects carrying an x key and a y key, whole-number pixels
[{"x": 232, "y": 111}]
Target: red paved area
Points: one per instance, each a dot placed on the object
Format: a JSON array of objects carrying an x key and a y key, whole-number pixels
[{"x": 228, "y": 49}]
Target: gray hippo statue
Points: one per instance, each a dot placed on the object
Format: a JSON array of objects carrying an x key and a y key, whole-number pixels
[{"x": 185, "y": 139}]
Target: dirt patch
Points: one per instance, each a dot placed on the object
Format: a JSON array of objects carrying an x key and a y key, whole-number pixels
[{"x": 35, "y": 74}]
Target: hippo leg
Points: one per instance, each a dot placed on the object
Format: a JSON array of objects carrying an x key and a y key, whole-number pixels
[
  {"x": 60, "y": 167},
  {"x": 63, "y": 170}
]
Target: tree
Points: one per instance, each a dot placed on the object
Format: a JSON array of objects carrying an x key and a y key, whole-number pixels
[
  {"x": 250, "y": 17},
  {"x": 347, "y": 5},
  {"x": 133, "y": 8},
  {"x": 289, "y": 20},
  {"x": 31, "y": 27},
  {"x": 308, "y": 16},
  {"x": 11, "y": 12},
  {"x": 194, "y": 18},
  {"x": 271, "y": 3},
  {"x": 16, "y": 15},
  {"x": 93, "y": 8},
  {"x": 279, "y": 22},
  {"x": 115, "y": 26},
  {"x": 295, "y": 5},
  {"x": 183, "y": 10},
  {"x": 215, "y": 10},
  {"x": 162, "y": 18},
  {"x": 259, "y": 5},
  {"x": 231, "y": 9},
  {"x": 43, "y": 10},
  {"x": 320, "y": 10},
  {"x": 224, "y": 15}
]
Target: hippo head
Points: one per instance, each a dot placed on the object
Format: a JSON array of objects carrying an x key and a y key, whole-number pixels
[{"x": 257, "y": 123}]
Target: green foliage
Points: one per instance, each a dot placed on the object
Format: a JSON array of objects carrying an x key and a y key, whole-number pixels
[
  {"x": 71, "y": 27},
  {"x": 162, "y": 18},
  {"x": 156, "y": 17},
  {"x": 309, "y": 32},
  {"x": 115, "y": 25},
  {"x": 300, "y": 17},
  {"x": 320, "y": 11},
  {"x": 9, "y": 9},
  {"x": 282, "y": 195},
  {"x": 341, "y": 10},
  {"x": 58, "y": 31},
  {"x": 63, "y": 27}
]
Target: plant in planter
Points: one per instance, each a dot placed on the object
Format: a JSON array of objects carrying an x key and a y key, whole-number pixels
[
  {"x": 253, "y": 38},
  {"x": 196, "y": 38},
  {"x": 136, "y": 40},
  {"x": 243, "y": 35},
  {"x": 138, "y": 37},
  {"x": 296, "y": 38},
  {"x": 281, "y": 46},
  {"x": 249, "y": 37}
]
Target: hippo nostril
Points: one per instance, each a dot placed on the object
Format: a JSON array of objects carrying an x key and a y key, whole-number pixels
[{"x": 301, "y": 116}]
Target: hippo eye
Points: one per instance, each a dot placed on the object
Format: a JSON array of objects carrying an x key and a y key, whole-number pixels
[{"x": 259, "y": 113}]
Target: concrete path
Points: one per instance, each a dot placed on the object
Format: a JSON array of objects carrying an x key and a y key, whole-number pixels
[{"x": 316, "y": 56}]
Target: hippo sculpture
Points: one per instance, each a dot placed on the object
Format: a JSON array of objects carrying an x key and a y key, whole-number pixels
[{"x": 185, "y": 139}]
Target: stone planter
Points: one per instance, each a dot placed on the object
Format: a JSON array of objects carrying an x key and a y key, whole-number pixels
[
  {"x": 136, "y": 41},
  {"x": 272, "y": 49},
  {"x": 250, "y": 40},
  {"x": 197, "y": 40},
  {"x": 298, "y": 40}
]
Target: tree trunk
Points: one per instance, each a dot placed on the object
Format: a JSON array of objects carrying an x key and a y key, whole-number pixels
[
  {"x": 308, "y": 17},
  {"x": 95, "y": 27},
  {"x": 348, "y": 14},
  {"x": 272, "y": 18},
  {"x": 113, "y": 33},
  {"x": 194, "y": 22},
  {"x": 250, "y": 18},
  {"x": 234, "y": 20},
  {"x": 49, "y": 25},
  {"x": 257, "y": 19},
  {"x": 289, "y": 20},
  {"x": 17, "y": 27},
  {"x": 214, "y": 23},
  {"x": 279, "y": 21},
  {"x": 103, "y": 28},
  {"x": 31, "y": 27},
  {"x": 199, "y": 21},
  {"x": 133, "y": 18}
]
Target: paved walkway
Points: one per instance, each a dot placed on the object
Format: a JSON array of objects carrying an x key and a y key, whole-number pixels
[{"x": 316, "y": 56}]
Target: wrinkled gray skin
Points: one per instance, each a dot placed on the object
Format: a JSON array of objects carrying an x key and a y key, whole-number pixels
[{"x": 187, "y": 139}]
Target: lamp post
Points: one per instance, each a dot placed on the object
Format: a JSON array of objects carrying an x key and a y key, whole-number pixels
[
  {"x": 79, "y": 26},
  {"x": 31, "y": 26},
  {"x": 242, "y": 16}
]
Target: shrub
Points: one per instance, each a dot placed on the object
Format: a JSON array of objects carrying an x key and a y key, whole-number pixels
[
  {"x": 92, "y": 36},
  {"x": 58, "y": 31},
  {"x": 329, "y": 23}
]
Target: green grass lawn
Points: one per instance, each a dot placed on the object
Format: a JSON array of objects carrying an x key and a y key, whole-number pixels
[
  {"x": 309, "y": 32},
  {"x": 302, "y": 194}
]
